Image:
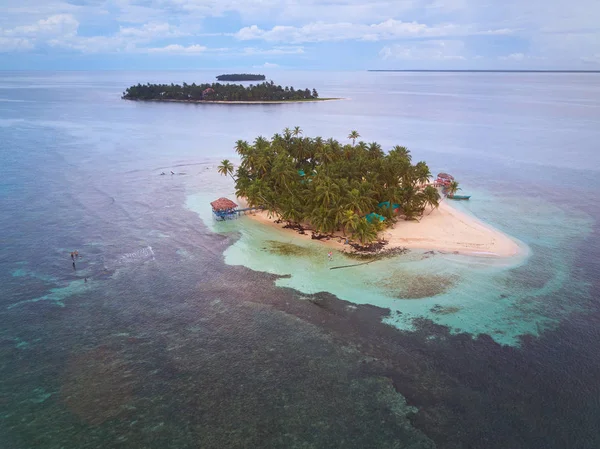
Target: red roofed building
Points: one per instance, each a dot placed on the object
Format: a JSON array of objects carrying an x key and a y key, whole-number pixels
[
  {"x": 224, "y": 209},
  {"x": 207, "y": 91}
]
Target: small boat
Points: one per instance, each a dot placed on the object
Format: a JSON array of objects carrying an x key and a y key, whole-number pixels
[{"x": 459, "y": 197}]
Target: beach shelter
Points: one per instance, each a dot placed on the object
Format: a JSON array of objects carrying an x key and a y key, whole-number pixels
[
  {"x": 373, "y": 216},
  {"x": 224, "y": 208}
]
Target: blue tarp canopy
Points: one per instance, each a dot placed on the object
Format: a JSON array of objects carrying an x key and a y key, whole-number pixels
[
  {"x": 387, "y": 204},
  {"x": 373, "y": 216}
]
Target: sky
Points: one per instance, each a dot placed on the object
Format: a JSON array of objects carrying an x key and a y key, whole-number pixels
[{"x": 299, "y": 34}]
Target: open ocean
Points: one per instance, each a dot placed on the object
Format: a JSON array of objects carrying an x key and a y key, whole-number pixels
[{"x": 195, "y": 334}]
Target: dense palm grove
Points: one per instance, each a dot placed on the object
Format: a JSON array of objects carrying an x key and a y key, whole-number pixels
[
  {"x": 331, "y": 186},
  {"x": 241, "y": 77},
  {"x": 267, "y": 91}
]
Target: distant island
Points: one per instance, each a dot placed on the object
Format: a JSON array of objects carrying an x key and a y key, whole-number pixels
[
  {"x": 267, "y": 92},
  {"x": 241, "y": 77}
]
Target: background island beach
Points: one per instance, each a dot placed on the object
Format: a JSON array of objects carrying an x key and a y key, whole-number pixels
[{"x": 194, "y": 333}]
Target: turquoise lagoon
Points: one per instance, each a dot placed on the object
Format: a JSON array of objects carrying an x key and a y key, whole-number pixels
[{"x": 502, "y": 297}]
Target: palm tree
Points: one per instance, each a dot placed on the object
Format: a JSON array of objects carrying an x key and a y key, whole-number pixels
[
  {"x": 326, "y": 191},
  {"x": 375, "y": 151},
  {"x": 324, "y": 155},
  {"x": 452, "y": 188},
  {"x": 353, "y": 135},
  {"x": 422, "y": 173},
  {"x": 323, "y": 219},
  {"x": 431, "y": 197},
  {"x": 284, "y": 171},
  {"x": 401, "y": 151},
  {"x": 365, "y": 232},
  {"x": 291, "y": 211},
  {"x": 297, "y": 131},
  {"x": 260, "y": 143},
  {"x": 353, "y": 201},
  {"x": 226, "y": 168},
  {"x": 350, "y": 221},
  {"x": 241, "y": 147}
]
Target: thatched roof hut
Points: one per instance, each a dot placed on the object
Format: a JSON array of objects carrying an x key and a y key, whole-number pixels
[{"x": 223, "y": 204}]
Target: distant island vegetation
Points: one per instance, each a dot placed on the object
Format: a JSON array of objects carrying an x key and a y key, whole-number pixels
[
  {"x": 241, "y": 77},
  {"x": 329, "y": 186},
  {"x": 217, "y": 92}
]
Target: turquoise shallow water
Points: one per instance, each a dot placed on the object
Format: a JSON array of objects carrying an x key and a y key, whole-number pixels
[
  {"x": 505, "y": 298},
  {"x": 181, "y": 338}
]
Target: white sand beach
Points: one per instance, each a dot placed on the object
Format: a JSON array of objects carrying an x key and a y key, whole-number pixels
[{"x": 444, "y": 229}]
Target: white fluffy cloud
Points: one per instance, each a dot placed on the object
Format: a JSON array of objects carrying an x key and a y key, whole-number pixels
[
  {"x": 59, "y": 24},
  {"x": 14, "y": 44},
  {"x": 387, "y": 30},
  {"x": 278, "y": 11},
  {"x": 179, "y": 49},
  {"x": 432, "y": 50},
  {"x": 561, "y": 31},
  {"x": 26, "y": 37},
  {"x": 150, "y": 31},
  {"x": 267, "y": 65},
  {"x": 513, "y": 57},
  {"x": 291, "y": 50},
  {"x": 61, "y": 31}
]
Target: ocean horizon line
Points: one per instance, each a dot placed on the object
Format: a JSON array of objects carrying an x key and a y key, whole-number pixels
[{"x": 482, "y": 71}]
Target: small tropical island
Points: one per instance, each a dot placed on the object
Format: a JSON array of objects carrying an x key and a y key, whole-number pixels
[
  {"x": 352, "y": 194},
  {"x": 241, "y": 77},
  {"x": 267, "y": 92}
]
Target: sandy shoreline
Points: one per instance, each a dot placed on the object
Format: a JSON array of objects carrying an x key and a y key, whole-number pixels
[{"x": 445, "y": 229}]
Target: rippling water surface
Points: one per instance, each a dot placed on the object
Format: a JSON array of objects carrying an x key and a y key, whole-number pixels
[{"x": 174, "y": 331}]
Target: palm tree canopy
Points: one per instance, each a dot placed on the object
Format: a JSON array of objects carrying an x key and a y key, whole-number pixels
[
  {"x": 340, "y": 186},
  {"x": 226, "y": 168},
  {"x": 453, "y": 187}
]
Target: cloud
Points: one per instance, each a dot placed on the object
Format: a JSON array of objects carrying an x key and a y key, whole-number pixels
[
  {"x": 14, "y": 44},
  {"x": 57, "y": 25},
  {"x": 432, "y": 50},
  {"x": 150, "y": 31},
  {"x": 498, "y": 32},
  {"x": 266, "y": 65},
  {"x": 320, "y": 31},
  {"x": 594, "y": 59},
  {"x": 61, "y": 31},
  {"x": 286, "y": 50},
  {"x": 562, "y": 31},
  {"x": 271, "y": 11},
  {"x": 179, "y": 49},
  {"x": 513, "y": 57}
]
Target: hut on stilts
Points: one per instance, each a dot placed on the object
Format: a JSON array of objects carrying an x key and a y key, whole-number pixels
[{"x": 224, "y": 209}]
